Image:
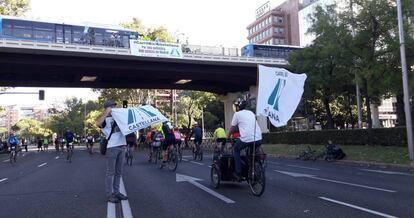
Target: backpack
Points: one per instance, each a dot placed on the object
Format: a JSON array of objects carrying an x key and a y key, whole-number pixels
[
  {"x": 131, "y": 138},
  {"x": 177, "y": 135}
]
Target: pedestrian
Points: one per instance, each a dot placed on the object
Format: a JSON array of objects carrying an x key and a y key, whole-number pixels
[
  {"x": 24, "y": 143},
  {"x": 115, "y": 153},
  {"x": 39, "y": 144}
]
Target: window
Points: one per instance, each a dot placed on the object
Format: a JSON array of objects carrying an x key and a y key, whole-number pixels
[
  {"x": 22, "y": 29},
  {"x": 7, "y": 28},
  {"x": 68, "y": 34},
  {"x": 281, "y": 30},
  {"x": 282, "y": 41},
  {"x": 280, "y": 19},
  {"x": 43, "y": 32},
  {"x": 59, "y": 34},
  {"x": 77, "y": 34}
]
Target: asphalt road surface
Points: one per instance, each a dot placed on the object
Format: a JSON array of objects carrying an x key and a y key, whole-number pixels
[{"x": 44, "y": 184}]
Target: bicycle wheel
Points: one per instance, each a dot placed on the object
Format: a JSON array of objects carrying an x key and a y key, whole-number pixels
[
  {"x": 200, "y": 153},
  {"x": 130, "y": 158},
  {"x": 180, "y": 155},
  {"x": 215, "y": 176},
  {"x": 172, "y": 160},
  {"x": 194, "y": 154},
  {"x": 11, "y": 157},
  {"x": 257, "y": 182}
]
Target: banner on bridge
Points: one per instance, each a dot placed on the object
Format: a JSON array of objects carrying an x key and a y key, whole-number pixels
[
  {"x": 279, "y": 94},
  {"x": 133, "y": 119},
  {"x": 155, "y": 49}
]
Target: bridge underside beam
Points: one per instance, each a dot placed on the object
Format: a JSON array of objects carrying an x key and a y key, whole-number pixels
[{"x": 27, "y": 67}]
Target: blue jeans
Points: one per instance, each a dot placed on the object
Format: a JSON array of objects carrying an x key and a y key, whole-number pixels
[{"x": 239, "y": 146}]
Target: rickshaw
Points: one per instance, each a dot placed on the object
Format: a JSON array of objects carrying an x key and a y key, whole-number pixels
[{"x": 223, "y": 167}]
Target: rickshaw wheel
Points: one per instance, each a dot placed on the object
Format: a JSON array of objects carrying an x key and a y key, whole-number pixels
[
  {"x": 257, "y": 183},
  {"x": 215, "y": 176}
]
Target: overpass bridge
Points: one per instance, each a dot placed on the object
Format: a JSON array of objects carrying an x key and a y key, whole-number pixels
[{"x": 38, "y": 64}]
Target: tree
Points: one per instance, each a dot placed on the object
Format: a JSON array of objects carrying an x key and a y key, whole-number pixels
[
  {"x": 151, "y": 33},
  {"x": 90, "y": 122},
  {"x": 325, "y": 62},
  {"x": 14, "y": 7},
  {"x": 29, "y": 128}
]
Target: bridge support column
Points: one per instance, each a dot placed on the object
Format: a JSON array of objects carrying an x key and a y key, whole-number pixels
[
  {"x": 228, "y": 101},
  {"x": 261, "y": 120}
]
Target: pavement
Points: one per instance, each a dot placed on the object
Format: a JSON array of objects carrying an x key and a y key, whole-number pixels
[{"x": 44, "y": 184}]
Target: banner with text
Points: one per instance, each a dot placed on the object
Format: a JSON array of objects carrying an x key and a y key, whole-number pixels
[
  {"x": 279, "y": 94},
  {"x": 133, "y": 119},
  {"x": 155, "y": 49}
]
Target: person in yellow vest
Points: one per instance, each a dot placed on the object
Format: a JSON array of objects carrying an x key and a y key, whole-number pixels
[{"x": 220, "y": 137}]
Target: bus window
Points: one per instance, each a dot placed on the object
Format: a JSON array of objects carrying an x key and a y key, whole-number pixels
[
  {"x": 99, "y": 36},
  {"x": 7, "y": 28},
  {"x": 22, "y": 29},
  {"x": 59, "y": 33},
  {"x": 43, "y": 32},
  {"x": 77, "y": 34},
  {"x": 68, "y": 34}
]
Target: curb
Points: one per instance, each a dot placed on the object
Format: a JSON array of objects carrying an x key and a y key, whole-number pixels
[{"x": 357, "y": 163}]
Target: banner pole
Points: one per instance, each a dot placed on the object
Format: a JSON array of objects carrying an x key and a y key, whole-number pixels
[{"x": 255, "y": 122}]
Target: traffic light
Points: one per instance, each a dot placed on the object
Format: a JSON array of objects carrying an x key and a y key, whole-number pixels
[
  {"x": 41, "y": 95},
  {"x": 124, "y": 103}
]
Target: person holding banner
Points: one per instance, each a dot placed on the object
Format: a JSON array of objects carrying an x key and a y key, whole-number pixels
[
  {"x": 115, "y": 153},
  {"x": 245, "y": 121}
]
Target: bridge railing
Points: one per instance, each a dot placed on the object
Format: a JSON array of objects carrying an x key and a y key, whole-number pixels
[{"x": 208, "y": 55}]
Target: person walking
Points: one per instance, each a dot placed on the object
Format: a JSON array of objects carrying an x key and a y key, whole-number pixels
[{"x": 115, "y": 153}]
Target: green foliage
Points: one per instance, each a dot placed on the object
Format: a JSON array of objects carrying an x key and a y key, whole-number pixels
[
  {"x": 14, "y": 7},
  {"x": 29, "y": 127},
  {"x": 90, "y": 122},
  {"x": 149, "y": 33}
]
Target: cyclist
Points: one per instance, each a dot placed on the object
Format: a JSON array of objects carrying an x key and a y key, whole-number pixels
[
  {"x": 69, "y": 138},
  {"x": 245, "y": 121},
  {"x": 90, "y": 140},
  {"x": 198, "y": 136},
  {"x": 156, "y": 142},
  {"x": 177, "y": 135},
  {"x": 220, "y": 137},
  {"x": 39, "y": 141},
  {"x": 13, "y": 142},
  {"x": 169, "y": 139}
]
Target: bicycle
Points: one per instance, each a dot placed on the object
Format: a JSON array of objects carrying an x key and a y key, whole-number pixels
[
  {"x": 308, "y": 154},
  {"x": 70, "y": 152},
  {"x": 253, "y": 170},
  {"x": 197, "y": 152},
  {"x": 179, "y": 153},
  {"x": 13, "y": 154},
  {"x": 172, "y": 158},
  {"x": 129, "y": 155}
]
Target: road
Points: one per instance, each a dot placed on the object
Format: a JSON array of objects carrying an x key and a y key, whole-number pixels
[{"x": 45, "y": 185}]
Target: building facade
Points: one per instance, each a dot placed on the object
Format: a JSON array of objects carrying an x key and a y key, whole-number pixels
[
  {"x": 15, "y": 113},
  {"x": 276, "y": 25}
]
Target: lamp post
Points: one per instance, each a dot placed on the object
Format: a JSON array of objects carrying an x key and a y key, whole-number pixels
[{"x": 405, "y": 84}]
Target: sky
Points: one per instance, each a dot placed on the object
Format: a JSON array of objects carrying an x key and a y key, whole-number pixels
[{"x": 212, "y": 22}]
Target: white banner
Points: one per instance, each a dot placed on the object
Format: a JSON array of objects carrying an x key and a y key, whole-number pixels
[
  {"x": 279, "y": 94},
  {"x": 155, "y": 49},
  {"x": 133, "y": 119}
]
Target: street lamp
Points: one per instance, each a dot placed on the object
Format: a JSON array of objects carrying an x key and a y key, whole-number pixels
[{"x": 405, "y": 84}]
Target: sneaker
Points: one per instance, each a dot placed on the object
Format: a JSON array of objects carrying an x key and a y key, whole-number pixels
[
  {"x": 113, "y": 199},
  {"x": 121, "y": 196}
]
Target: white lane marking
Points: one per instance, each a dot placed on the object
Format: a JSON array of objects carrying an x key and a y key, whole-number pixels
[
  {"x": 197, "y": 163},
  {"x": 6, "y": 160},
  {"x": 193, "y": 181},
  {"x": 209, "y": 166},
  {"x": 356, "y": 185},
  {"x": 126, "y": 208},
  {"x": 185, "y": 159},
  {"x": 110, "y": 212},
  {"x": 388, "y": 172},
  {"x": 41, "y": 165},
  {"x": 189, "y": 156},
  {"x": 2, "y": 180},
  {"x": 297, "y": 166},
  {"x": 358, "y": 207},
  {"x": 57, "y": 157},
  {"x": 334, "y": 181}
]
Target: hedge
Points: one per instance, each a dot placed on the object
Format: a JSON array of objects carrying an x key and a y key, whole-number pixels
[{"x": 383, "y": 136}]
